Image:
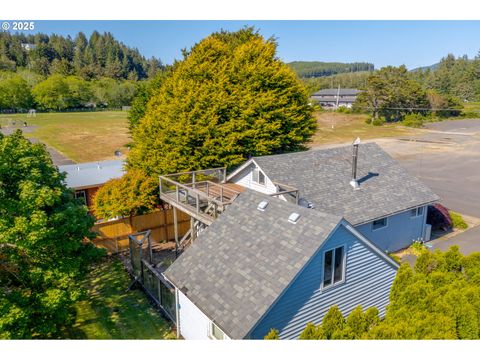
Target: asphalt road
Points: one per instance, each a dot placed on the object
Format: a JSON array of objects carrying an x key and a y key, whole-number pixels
[{"x": 447, "y": 158}]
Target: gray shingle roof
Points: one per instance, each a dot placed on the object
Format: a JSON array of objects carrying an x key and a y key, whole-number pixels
[
  {"x": 84, "y": 175},
  {"x": 334, "y": 92},
  {"x": 323, "y": 177},
  {"x": 242, "y": 263}
]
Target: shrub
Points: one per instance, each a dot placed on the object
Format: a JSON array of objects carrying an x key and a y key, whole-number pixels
[
  {"x": 414, "y": 120},
  {"x": 457, "y": 220},
  {"x": 272, "y": 335},
  {"x": 378, "y": 122}
]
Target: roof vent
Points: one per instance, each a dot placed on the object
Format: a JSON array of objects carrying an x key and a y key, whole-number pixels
[
  {"x": 262, "y": 205},
  {"x": 293, "y": 218}
]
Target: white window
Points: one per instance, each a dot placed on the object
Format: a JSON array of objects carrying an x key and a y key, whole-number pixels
[
  {"x": 258, "y": 177},
  {"x": 333, "y": 266},
  {"x": 416, "y": 212},
  {"x": 216, "y": 333},
  {"x": 379, "y": 224},
  {"x": 82, "y": 196}
]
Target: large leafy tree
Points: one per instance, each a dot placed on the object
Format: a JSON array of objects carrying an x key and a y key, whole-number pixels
[
  {"x": 42, "y": 248},
  {"x": 228, "y": 99},
  {"x": 390, "y": 92},
  {"x": 133, "y": 194}
]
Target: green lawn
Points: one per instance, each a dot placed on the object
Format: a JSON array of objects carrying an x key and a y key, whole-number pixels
[
  {"x": 109, "y": 312},
  {"x": 81, "y": 136}
]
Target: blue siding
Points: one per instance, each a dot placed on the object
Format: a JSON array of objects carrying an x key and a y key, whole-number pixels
[
  {"x": 368, "y": 279},
  {"x": 400, "y": 232}
]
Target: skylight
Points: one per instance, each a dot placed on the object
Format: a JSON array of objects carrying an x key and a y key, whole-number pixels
[
  {"x": 293, "y": 218},
  {"x": 262, "y": 205}
]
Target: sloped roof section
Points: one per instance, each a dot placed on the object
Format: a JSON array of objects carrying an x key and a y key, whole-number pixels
[
  {"x": 84, "y": 175},
  {"x": 335, "y": 92},
  {"x": 243, "y": 262},
  {"x": 323, "y": 177}
]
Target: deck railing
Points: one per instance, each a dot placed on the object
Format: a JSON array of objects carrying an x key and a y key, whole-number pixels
[
  {"x": 201, "y": 194},
  {"x": 284, "y": 189}
]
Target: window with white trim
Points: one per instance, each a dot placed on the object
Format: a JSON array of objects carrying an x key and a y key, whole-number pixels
[
  {"x": 379, "y": 223},
  {"x": 333, "y": 266},
  {"x": 216, "y": 333},
  {"x": 258, "y": 177},
  {"x": 416, "y": 212},
  {"x": 80, "y": 194}
]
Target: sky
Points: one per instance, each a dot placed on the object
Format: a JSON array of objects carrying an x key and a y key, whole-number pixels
[{"x": 412, "y": 43}]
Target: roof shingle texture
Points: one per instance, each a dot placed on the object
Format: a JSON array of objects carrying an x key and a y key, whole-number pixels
[
  {"x": 242, "y": 263},
  {"x": 323, "y": 178}
]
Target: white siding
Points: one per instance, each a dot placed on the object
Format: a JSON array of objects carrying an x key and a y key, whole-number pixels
[
  {"x": 245, "y": 179},
  {"x": 194, "y": 324}
]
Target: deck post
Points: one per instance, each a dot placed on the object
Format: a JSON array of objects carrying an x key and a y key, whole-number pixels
[
  {"x": 197, "y": 200},
  {"x": 175, "y": 228},
  {"x": 221, "y": 193}
]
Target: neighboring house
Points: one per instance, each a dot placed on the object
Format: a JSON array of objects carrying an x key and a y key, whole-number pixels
[
  {"x": 389, "y": 205},
  {"x": 267, "y": 263},
  {"x": 28, "y": 47},
  {"x": 335, "y": 98},
  {"x": 86, "y": 178}
]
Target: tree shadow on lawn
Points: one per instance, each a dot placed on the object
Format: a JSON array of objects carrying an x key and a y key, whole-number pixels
[{"x": 108, "y": 311}]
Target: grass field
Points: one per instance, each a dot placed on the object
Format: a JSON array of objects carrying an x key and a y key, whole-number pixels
[
  {"x": 80, "y": 136},
  {"x": 341, "y": 128},
  {"x": 110, "y": 312}
]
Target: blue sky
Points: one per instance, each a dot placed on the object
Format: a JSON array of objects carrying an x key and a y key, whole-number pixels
[{"x": 413, "y": 43}]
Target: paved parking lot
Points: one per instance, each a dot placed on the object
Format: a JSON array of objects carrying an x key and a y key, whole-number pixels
[{"x": 446, "y": 156}]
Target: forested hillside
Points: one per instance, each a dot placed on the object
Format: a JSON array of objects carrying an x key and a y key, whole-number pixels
[
  {"x": 99, "y": 56},
  {"x": 314, "y": 69},
  {"x": 58, "y": 73},
  {"x": 459, "y": 77}
]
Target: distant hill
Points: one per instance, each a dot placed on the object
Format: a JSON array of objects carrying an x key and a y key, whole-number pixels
[
  {"x": 315, "y": 69},
  {"x": 100, "y": 55},
  {"x": 423, "y": 68}
]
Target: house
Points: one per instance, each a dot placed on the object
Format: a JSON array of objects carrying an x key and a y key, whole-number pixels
[
  {"x": 387, "y": 205},
  {"x": 86, "y": 178},
  {"x": 267, "y": 263},
  {"x": 335, "y": 98}
]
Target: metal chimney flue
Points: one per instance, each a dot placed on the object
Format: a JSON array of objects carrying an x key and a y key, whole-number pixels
[{"x": 354, "y": 181}]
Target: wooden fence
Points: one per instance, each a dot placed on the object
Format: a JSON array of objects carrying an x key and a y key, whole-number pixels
[{"x": 113, "y": 235}]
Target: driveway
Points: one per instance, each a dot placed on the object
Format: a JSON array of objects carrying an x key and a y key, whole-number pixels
[{"x": 446, "y": 157}]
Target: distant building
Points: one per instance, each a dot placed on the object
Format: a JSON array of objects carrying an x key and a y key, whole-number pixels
[
  {"x": 28, "y": 47},
  {"x": 335, "y": 98},
  {"x": 87, "y": 178}
]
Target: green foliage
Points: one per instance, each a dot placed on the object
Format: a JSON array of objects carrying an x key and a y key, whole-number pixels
[
  {"x": 42, "y": 248},
  {"x": 378, "y": 122},
  {"x": 458, "y": 221},
  {"x": 414, "y": 120},
  {"x": 144, "y": 91},
  {"x": 14, "y": 92},
  {"x": 439, "y": 299},
  {"x": 272, "y": 335},
  {"x": 418, "y": 248},
  {"x": 99, "y": 56},
  {"x": 228, "y": 99},
  {"x": 314, "y": 69},
  {"x": 134, "y": 193},
  {"x": 390, "y": 93},
  {"x": 351, "y": 80}
]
